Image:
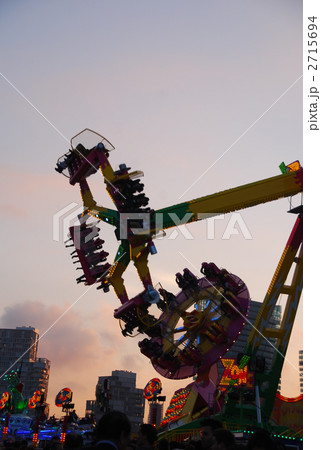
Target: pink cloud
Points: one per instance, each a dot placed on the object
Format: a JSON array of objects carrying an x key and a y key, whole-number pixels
[
  {"x": 13, "y": 211},
  {"x": 77, "y": 352}
]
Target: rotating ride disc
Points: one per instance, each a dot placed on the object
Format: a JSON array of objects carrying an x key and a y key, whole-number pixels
[
  {"x": 63, "y": 397},
  {"x": 34, "y": 400},
  {"x": 201, "y": 324},
  {"x": 152, "y": 389},
  {"x": 4, "y": 399}
]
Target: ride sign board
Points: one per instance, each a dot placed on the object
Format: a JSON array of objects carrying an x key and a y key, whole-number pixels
[{"x": 236, "y": 375}]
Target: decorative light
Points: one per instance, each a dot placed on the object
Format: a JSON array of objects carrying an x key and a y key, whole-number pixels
[{"x": 236, "y": 375}]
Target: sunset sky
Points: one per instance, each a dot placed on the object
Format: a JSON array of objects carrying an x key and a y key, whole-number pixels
[{"x": 200, "y": 96}]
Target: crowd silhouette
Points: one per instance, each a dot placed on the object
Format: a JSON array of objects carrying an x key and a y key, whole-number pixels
[{"x": 114, "y": 432}]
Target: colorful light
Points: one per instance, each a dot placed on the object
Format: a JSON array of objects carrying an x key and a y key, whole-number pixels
[
  {"x": 152, "y": 388},
  {"x": 235, "y": 375},
  {"x": 4, "y": 433},
  {"x": 4, "y": 399},
  {"x": 63, "y": 397},
  {"x": 36, "y": 398},
  {"x": 174, "y": 410},
  {"x": 289, "y": 399},
  {"x": 64, "y": 429},
  {"x": 35, "y": 440},
  {"x": 294, "y": 166}
]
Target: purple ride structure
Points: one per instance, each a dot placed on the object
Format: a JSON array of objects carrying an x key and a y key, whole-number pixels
[{"x": 191, "y": 330}]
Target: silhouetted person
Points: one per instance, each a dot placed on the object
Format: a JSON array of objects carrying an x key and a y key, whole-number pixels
[
  {"x": 192, "y": 445},
  {"x": 132, "y": 445},
  {"x": 146, "y": 437},
  {"x": 23, "y": 444},
  {"x": 55, "y": 443},
  {"x": 175, "y": 445},
  {"x": 208, "y": 440},
  {"x": 112, "y": 432},
  {"x": 225, "y": 439},
  {"x": 163, "y": 444},
  {"x": 73, "y": 440}
]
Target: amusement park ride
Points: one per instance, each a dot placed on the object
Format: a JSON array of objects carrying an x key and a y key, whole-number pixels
[{"x": 193, "y": 329}]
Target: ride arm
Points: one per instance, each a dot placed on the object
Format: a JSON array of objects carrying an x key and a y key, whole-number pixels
[
  {"x": 90, "y": 206},
  {"x": 107, "y": 215},
  {"x": 234, "y": 199},
  {"x": 118, "y": 267}
]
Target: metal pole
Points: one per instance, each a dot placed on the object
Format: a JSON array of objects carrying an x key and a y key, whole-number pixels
[
  {"x": 258, "y": 405},
  {"x": 241, "y": 404}
]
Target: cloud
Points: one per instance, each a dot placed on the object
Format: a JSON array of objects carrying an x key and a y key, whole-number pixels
[
  {"x": 13, "y": 211},
  {"x": 82, "y": 345},
  {"x": 76, "y": 349},
  {"x": 64, "y": 339}
]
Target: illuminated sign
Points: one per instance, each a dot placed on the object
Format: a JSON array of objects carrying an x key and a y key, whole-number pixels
[
  {"x": 235, "y": 375},
  {"x": 152, "y": 388},
  {"x": 293, "y": 167},
  {"x": 174, "y": 410}
]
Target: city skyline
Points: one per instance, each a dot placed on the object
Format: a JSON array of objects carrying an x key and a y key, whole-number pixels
[
  {"x": 201, "y": 99},
  {"x": 18, "y": 355}
]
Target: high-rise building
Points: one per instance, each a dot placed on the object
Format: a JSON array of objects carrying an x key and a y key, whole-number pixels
[
  {"x": 266, "y": 348},
  {"x": 301, "y": 370},
  {"x": 90, "y": 407},
  {"x": 124, "y": 396},
  {"x": 18, "y": 350},
  {"x": 155, "y": 414}
]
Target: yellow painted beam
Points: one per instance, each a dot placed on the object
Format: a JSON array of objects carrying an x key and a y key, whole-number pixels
[{"x": 252, "y": 194}]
